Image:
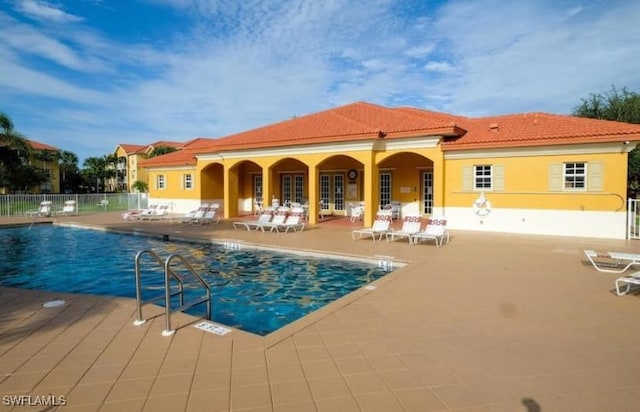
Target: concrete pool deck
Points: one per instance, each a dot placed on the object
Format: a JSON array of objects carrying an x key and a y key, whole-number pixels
[{"x": 489, "y": 322}]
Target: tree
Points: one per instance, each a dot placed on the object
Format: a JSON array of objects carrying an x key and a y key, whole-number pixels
[
  {"x": 13, "y": 148},
  {"x": 96, "y": 171},
  {"x": 140, "y": 186},
  {"x": 68, "y": 162},
  {"x": 621, "y": 106},
  {"x": 160, "y": 150}
]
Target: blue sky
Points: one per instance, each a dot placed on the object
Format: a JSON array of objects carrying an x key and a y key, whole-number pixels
[{"x": 86, "y": 75}]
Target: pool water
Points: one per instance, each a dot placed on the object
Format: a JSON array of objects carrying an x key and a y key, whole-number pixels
[{"x": 255, "y": 290}]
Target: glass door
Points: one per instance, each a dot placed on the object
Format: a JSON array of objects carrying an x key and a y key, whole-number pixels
[{"x": 427, "y": 193}]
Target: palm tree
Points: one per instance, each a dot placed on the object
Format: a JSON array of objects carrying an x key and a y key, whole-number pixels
[
  {"x": 13, "y": 148},
  {"x": 68, "y": 162},
  {"x": 140, "y": 186}
]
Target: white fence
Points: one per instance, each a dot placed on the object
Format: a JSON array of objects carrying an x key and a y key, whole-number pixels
[
  {"x": 19, "y": 205},
  {"x": 633, "y": 219}
]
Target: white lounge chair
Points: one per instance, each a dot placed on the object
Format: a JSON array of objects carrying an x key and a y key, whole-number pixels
[
  {"x": 210, "y": 216},
  {"x": 380, "y": 227},
  {"x": 68, "y": 209},
  {"x": 194, "y": 215},
  {"x": 293, "y": 222},
  {"x": 611, "y": 262},
  {"x": 250, "y": 225},
  {"x": 436, "y": 230},
  {"x": 43, "y": 210},
  {"x": 410, "y": 226},
  {"x": 278, "y": 219},
  {"x": 632, "y": 279},
  {"x": 159, "y": 213}
]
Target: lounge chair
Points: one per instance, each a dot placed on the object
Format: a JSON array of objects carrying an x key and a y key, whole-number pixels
[
  {"x": 356, "y": 212},
  {"x": 632, "y": 279},
  {"x": 265, "y": 217},
  {"x": 436, "y": 230},
  {"x": 611, "y": 262},
  {"x": 278, "y": 219},
  {"x": 147, "y": 212},
  {"x": 159, "y": 213},
  {"x": 43, "y": 210},
  {"x": 194, "y": 215},
  {"x": 68, "y": 209},
  {"x": 410, "y": 226},
  {"x": 380, "y": 227},
  {"x": 210, "y": 216},
  {"x": 293, "y": 221}
]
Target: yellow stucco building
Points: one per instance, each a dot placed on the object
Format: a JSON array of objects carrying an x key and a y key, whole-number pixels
[
  {"x": 127, "y": 157},
  {"x": 526, "y": 173}
]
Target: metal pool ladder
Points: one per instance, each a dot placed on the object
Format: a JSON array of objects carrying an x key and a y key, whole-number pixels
[{"x": 168, "y": 276}]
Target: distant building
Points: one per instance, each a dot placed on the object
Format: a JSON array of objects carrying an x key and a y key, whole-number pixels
[
  {"x": 50, "y": 166},
  {"x": 127, "y": 157}
]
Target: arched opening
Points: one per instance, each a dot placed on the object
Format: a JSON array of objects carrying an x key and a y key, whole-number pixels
[{"x": 407, "y": 183}]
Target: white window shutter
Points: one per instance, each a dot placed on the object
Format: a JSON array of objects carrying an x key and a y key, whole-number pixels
[
  {"x": 555, "y": 177},
  {"x": 595, "y": 176},
  {"x": 467, "y": 178},
  {"x": 498, "y": 177}
]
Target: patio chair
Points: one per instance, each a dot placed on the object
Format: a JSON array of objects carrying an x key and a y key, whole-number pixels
[
  {"x": 632, "y": 279},
  {"x": 278, "y": 219},
  {"x": 293, "y": 222},
  {"x": 43, "y": 210},
  {"x": 436, "y": 230},
  {"x": 210, "y": 216},
  {"x": 194, "y": 215},
  {"x": 380, "y": 227},
  {"x": 68, "y": 209},
  {"x": 611, "y": 262},
  {"x": 159, "y": 213},
  {"x": 410, "y": 226},
  {"x": 356, "y": 212},
  {"x": 250, "y": 225}
]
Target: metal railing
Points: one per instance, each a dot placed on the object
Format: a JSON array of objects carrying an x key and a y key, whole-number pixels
[
  {"x": 25, "y": 204},
  {"x": 169, "y": 276}
]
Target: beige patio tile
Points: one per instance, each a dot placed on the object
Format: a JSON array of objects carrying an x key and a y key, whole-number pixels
[
  {"x": 245, "y": 397},
  {"x": 456, "y": 396},
  {"x": 296, "y": 407},
  {"x": 135, "y": 370},
  {"x": 107, "y": 373},
  {"x": 168, "y": 403},
  {"x": 348, "y": 366},
  {"x": 325, "y": 388},
  {"x": 401, "y": 379},
  {"x": 321, "y": 369},
  {"x": 127, "y": 389},
  {"x": 290, "y": 392},
  {"x": 213, "y": 400},
  {"x": 21, "y": 381},
  {"x": 171, "y": 384},
  {"x": 285, "y": 371},
  {"x": 378, "y": 401},
  {"x": 419, "y": 399},
  {"x": 366, "y": 382},
  {"x": 212, "y": 380},
  {"x": 342, "y": 404},
  {"x": 131, "y": 405},
  {"x": 249, "y": 376},
  {"x": 88, "y": 394},
  {"x": 313, "y": 353}
]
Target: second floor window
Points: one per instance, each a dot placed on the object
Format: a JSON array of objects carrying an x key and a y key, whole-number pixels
[
  {"x": 160, "y": 182},
  {"x": 482, "y": 177},
  {"x": 187, "y": 181}
]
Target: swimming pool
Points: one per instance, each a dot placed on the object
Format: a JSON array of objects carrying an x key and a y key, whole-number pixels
[{"x": 255, "y": 290}]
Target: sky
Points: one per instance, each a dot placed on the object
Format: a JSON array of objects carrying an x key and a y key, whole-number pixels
[{"x": 87, "y": 75}]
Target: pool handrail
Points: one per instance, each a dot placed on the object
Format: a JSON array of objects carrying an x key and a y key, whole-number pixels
[{"x": 168, "y": 275}]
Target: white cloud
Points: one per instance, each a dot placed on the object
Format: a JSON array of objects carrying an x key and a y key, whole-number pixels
[
  {"x": 241, "y": 65},
  {"x": 41, "y": 10},
  {"x": 438, "y": 66}
]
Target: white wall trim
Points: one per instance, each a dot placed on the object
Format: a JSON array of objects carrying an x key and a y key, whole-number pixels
[{"x": 559, "y": 150}]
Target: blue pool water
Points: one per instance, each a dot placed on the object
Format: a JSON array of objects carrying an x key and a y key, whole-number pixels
[{"x": 254, "y": 290}]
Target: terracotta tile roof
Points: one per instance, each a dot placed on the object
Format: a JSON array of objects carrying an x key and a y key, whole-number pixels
[
  {"x": 177, "y": 158},
  {"x": 132, "y": 148},
  {"x": 357, "y": 121},
  {"x": 41, "y": 146},
  {"x": 365, "y": 121},
  {"x": 536, "y": 129}
]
